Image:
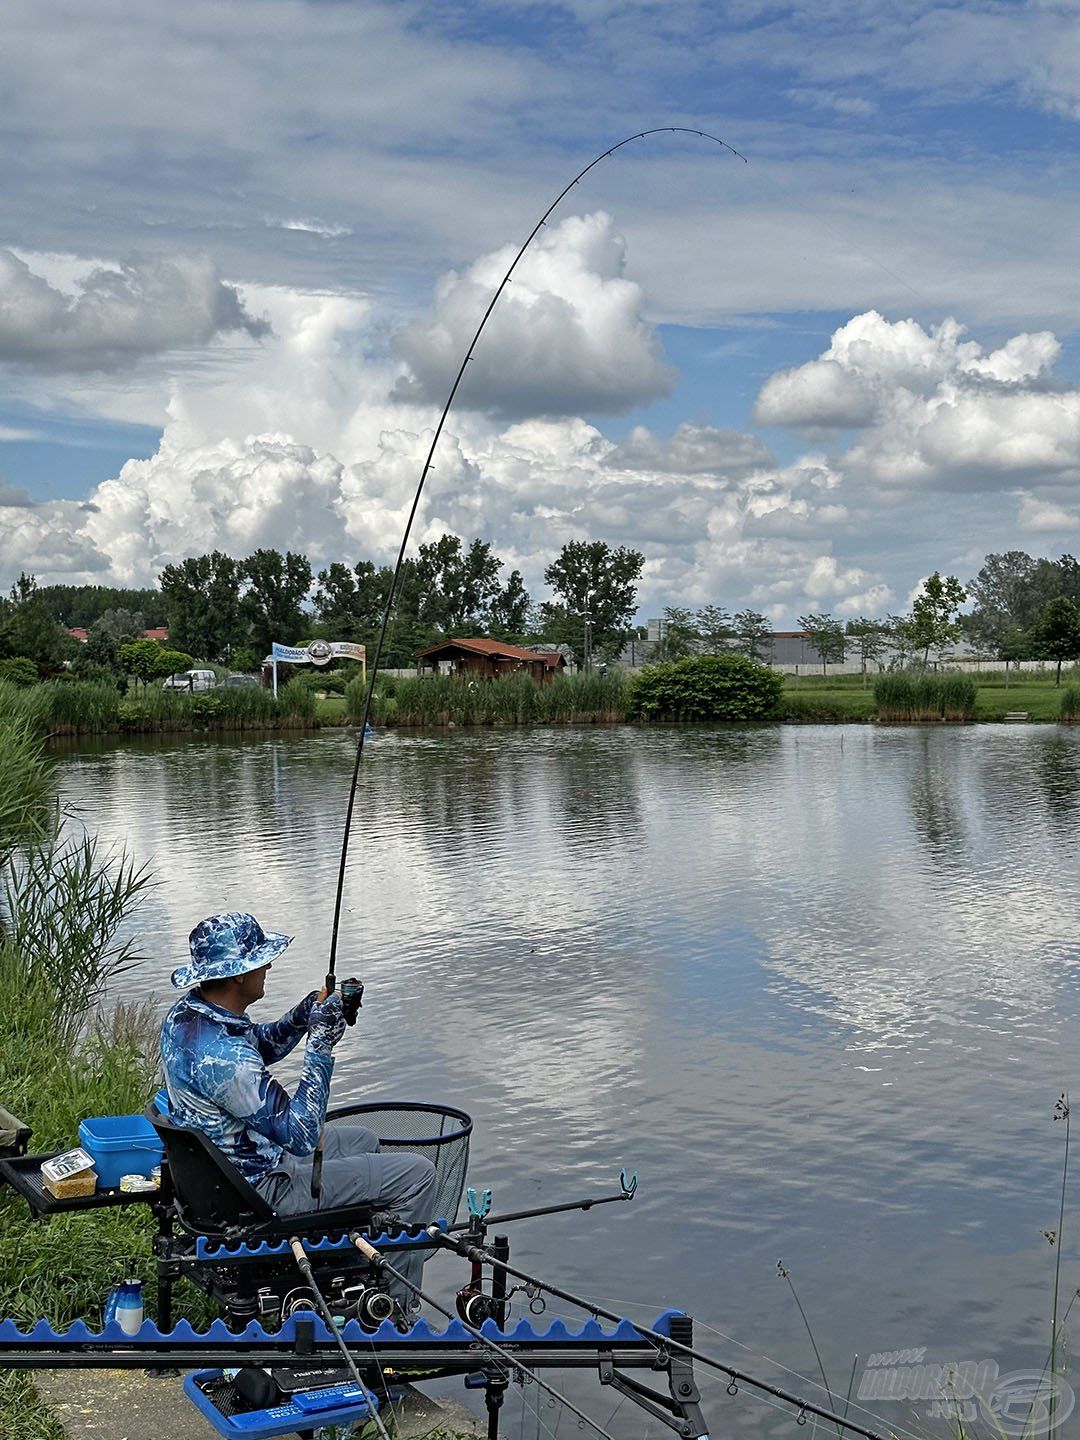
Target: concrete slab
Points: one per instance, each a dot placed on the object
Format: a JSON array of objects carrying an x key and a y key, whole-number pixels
[{"x": 130, "y": 1405}]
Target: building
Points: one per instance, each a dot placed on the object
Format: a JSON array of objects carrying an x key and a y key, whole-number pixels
[
  {"x": 483, "y": 659},
  {"x": 160, "y": 633}
]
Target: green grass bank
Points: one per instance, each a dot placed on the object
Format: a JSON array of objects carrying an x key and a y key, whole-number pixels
[{"x": 60, "y": 708}]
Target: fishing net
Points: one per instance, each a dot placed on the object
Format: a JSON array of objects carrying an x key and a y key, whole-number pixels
[{"x": 438, "y": 1132}]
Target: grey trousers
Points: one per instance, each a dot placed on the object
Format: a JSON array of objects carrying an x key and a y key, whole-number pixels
[{"x": 357, "y": 1172}]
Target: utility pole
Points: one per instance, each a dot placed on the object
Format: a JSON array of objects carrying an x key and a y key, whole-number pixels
[{"x": 587, "y": 618}]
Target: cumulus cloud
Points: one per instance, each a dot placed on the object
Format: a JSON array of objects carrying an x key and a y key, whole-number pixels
[
  {"x": 693, "y": 450},
  {"x": 117, "y": 314},
  {"x": 933, "y": 409},
  {"x": 567, "y": 336},
  {"x": 1039, "y": 516}
]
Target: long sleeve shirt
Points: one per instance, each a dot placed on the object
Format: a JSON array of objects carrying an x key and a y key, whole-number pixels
[{"x": 217, "y": 1080}]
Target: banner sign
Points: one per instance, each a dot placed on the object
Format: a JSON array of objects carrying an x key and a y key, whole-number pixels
[{"x": 319, "y": 652}]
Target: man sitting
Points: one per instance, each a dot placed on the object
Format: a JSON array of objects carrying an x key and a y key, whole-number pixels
[{"x": 218, "y": 1082}]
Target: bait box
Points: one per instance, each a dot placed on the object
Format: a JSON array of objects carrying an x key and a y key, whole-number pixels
[{"x": 120, "y": 1145}]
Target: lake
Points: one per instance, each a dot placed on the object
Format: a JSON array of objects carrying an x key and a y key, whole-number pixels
[{"x": 818, "y": 985}]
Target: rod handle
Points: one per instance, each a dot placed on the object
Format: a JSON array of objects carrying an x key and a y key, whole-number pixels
[
  {"x": 299, "y": 1253},
  {"x": 368, "y": 1251}
]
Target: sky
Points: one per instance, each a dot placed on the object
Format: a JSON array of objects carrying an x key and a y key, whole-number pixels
[{"x": 243, "y": 247}]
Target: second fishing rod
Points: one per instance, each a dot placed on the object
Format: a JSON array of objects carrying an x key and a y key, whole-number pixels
[{"x": 483, "y": 1255}]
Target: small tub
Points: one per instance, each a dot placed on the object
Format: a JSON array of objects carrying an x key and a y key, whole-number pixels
[{"x": 121, "y": 1145}]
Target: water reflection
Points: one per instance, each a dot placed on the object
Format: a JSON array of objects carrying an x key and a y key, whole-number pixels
[{"x": 819, "y": 985}]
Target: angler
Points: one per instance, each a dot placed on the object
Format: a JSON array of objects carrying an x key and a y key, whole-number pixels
[{"x": 218, "y": 1081}]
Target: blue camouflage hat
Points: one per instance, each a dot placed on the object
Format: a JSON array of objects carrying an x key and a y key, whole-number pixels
[{"x": 226, "y": 945}]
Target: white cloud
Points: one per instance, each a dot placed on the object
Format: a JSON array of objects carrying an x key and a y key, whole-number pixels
[
  {"x": 934, "y": 410},
  {"x": 568, "y": 335},
  {"x": 1040, "y": 516},
  {"x": 693, "y": 450},
  {"x": 117, "y": 314}
]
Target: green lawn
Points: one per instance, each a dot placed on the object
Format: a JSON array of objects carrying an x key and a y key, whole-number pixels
[{"x": 845, "y": 697}]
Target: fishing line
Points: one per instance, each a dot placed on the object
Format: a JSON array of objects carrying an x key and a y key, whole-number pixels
[
  {"x": 662, "y": 1342},
  {"x": 654, "y": 1306},
  {"x": 331, "y": 975},
  {"x": 507, "y": 1357}
]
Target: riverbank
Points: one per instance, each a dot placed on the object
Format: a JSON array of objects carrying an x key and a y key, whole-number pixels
[{"x": 435, "y": 702}]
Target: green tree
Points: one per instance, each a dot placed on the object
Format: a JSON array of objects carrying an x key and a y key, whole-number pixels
[
  {"x": 28, "y": 628},
  {"x": 715, "y": 629},
  {"x": 349, "y": 605},
  {"x": 590, "y": 578},
  {"x": 869, "y": 639},
  {"x": 753, "y": 635},
  {"x": 678, "y": 634},
  {"x": 121, "y": 623},
  {"x": 1056, "y": 633},
  {"x": 827, "y": 637},
  {"x": 84, "y": 605},
  {"x": 202, "y": 598},
  {"x": 934, "y": 613},
  {"x": 457, "y": 587},
  {"x": 1002, "y": 593},
  {"x": 508, "y": 616},
  {"x": 100, "y": 653},
  {"x": 140, "y": 659},
  {"x": 276, "y": 586}
]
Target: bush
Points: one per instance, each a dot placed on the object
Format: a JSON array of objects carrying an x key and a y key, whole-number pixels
[
  {"x": 707, "y": 687},
  {"x": 19, "y": 671},
  {"x": 1070, "y": 704}
]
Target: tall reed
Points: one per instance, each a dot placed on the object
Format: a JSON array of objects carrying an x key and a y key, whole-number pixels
[
  {"x": 915, "y": 696},
  {"x": 435, "y": 700},
  {"x": 1070, "y": 704}
]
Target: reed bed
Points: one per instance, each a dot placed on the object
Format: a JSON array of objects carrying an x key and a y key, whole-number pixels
[
  {"x": 910, "y": 696},
  {"x": 1070, "y": 705},
  {"x": 440, "y": 700},
  {"x": 92, "y": 707}
]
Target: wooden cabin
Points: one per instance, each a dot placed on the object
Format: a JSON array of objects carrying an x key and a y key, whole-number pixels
[{"x": 483, "y": 659}]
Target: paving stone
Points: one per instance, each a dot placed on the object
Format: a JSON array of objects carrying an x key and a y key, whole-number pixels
[{"x": 130, "y": 1405}]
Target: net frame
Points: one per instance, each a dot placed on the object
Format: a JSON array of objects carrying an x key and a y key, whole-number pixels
[{"x": 440, "y": 1133}]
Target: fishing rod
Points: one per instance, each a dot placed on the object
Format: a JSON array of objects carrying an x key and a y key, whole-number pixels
[
  {"x": 300, "y": 1256},
  {"x": 331, "y": 973},
  {"x": 482, "y": 1255},
  {"x": 380, "y": 1262}
]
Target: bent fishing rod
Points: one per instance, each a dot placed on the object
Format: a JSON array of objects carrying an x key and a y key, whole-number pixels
[
  {"x": 331, "y": 973},
  {"x": 481, "y": 1254},
  {"x": 380, "y": 1262}
]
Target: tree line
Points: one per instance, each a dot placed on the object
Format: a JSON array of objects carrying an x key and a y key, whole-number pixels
[
  {"x": 226, "y": 610},
  {"x": 223, "y": 609}
]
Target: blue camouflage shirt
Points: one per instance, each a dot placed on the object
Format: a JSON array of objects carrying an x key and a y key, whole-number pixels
[{"x": 215, "y": 1073}]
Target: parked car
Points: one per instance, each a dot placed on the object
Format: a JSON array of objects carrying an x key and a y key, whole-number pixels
[
  {"x": 240, "y": 682},
  {"x": 195, "y": 682}
]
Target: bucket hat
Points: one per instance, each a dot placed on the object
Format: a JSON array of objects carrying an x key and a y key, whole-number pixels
[{"x": 226, "y": 945}]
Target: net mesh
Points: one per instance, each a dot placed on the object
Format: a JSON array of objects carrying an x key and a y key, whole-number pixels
[{"x": 437, "y": 1132}]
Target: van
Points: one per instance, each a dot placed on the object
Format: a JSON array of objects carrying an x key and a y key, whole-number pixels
[{"x": 195, "y": 682}]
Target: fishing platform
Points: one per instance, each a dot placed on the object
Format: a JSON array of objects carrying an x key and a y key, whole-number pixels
[{"x": 309, "y": 1341}]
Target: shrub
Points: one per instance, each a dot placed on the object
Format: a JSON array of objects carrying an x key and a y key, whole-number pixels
[
  {"x": 707, "y": 687},
  {"x": 19, "y": 671},
  {"x": 1070, "y": 704}
]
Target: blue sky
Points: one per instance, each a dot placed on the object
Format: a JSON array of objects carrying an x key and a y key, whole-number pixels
[{"x": 242, "y": 244}]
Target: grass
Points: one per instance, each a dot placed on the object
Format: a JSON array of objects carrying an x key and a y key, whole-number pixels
[
  {"x": 61, "y": 903},
  {"x": 845, "y": 698}
]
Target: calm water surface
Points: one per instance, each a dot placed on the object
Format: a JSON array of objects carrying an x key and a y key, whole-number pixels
[{"x": 818, "y": 985}]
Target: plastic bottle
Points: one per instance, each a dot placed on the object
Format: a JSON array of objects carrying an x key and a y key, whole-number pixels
[{"x": 125, "y": 1306}]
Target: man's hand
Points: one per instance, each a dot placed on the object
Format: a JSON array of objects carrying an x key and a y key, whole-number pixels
[{"x": 326, "y": 1024}]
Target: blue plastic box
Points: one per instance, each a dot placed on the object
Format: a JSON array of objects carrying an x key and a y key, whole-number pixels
[{"x": 120, "y": 1145}]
